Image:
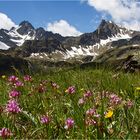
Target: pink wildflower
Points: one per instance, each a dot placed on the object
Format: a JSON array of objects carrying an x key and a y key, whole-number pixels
[
  {"x": 14, "y": 93},
  {"x": 18, "y": 84},
  {"x": 13, "y": 106},
  {"x": 115, "y": 99},
  {"x": 41, "y": 88},
  {"x": 87, "y": 94},
  {"x": 91, "y": 112},
  {"x": 54, "y": 85},
  {"x": 129, "y": 104},
  {"x": 13, "y": 79},
  {"x": 90, "y": 122},
  {"x": 69, "y": 123},
  {"x": 70, "y": 90},
  {"x": 27, "y": 78},
  {"x": 45, "y": 120},
  {"x": 81, "y": 101},
  {"x": 5, "y": 133}
]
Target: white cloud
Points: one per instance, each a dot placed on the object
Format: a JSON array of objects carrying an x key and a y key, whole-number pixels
[
  {"x": 6, "y": 22},
  {"x": 125, "y": 12},
  {"x": 63, "y": 27}
]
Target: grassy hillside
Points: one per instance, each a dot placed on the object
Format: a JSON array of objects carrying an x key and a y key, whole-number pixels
[{"x": 70, "y": 104}]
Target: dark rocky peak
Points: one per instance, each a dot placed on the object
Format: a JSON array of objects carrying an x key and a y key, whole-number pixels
[
  {"x": 56, "y": 36},
  {"x": 40, "y": 34},
  {"x": 12, "y": 29},
  {"x": 107, "y": 29},
  {"x": 25, "y": 27},
  {"x": 26, "y": 24}
]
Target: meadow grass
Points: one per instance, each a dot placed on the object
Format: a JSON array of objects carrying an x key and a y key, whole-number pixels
[{"x": 101, "y": 104}]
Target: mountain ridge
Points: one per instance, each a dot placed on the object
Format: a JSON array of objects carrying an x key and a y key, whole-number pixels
[{"x": 26, "y": 41}]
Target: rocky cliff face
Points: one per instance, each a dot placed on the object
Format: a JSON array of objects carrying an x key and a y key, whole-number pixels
[{"x": 26, "y": 41}]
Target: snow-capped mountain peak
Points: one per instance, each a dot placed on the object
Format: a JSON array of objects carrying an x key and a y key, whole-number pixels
[{"x": 39, "y": 42}]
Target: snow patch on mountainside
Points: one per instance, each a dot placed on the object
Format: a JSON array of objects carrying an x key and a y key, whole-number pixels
[
  {"x": 4, "y": 46},
  {"x": 80, "y": 51},
  {"x": 114, "y": 38},
  {"x": 18, "y": 38}
]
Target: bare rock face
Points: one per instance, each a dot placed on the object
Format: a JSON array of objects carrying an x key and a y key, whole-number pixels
[
  {"x": 25, "y": 28},
  {"x": 26, "y": 41}
]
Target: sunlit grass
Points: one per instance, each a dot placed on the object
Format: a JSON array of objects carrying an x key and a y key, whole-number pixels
[{"x": 78, "y": 104}]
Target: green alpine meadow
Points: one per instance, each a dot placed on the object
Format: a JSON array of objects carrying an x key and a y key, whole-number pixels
[
  {"x": 70, "y": 104},
  {"x": 70, "y": 69}
]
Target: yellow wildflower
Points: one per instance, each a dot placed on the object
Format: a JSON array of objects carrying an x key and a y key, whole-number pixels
[
  {"x": 3, "y": 76},
  {"x": 138, "y": 88},
  {"x": 109, "y": 114}
]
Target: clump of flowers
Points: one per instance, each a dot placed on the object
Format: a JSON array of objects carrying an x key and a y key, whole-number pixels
[
  {"x": 45, "y": 119},
  {"x": 91, "y": 117},
  {"x": 90, "y": 122},
  {"x": 5, "y": 133},
  {"x": 91, "y": 112},
  {"x": 81, "y": 101},
  {"x": 115, "y": 99},
  {"x": 70, "y": 90},
  {"x": 41, "y": 88},
  {"x": 54, "y": 85},
  {"x": 13, "y": 79},
  {"x": 69, "y": 123},
  {"x": 87, "y": 94},
  {"x": 18, "y": 84},
  {"x": 129, "y": 104},
  {"x": 27, "y": 78},
  {"x": 14, "y": 93},
  {"x": 12, "y": 106}
]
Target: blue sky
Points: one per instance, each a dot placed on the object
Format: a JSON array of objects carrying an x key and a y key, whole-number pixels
[
  {"x": 40, "y": 13},
  {"x": 71, "y": 16}
]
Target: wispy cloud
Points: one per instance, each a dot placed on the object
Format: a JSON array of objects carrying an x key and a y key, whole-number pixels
[
  {"x": 63, "y": 27},
  {"x": 6, "y": 22},
  {"x": 124, "y": 12}
]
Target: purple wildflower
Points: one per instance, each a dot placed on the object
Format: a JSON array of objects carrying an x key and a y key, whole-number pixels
[
  {"x": 87, "y": 94},
  {"x": 27, "y": 78},
  {"x": 129, "y": 104},
  {"x": 18, "y": 84},
  {"x": 115, "y": 99},
  {"x": 14, "y": 93},
  {"x": 70, "y": 90},
  {"x": 81, "y": 101},
  {"x": 91, "y": 112},
  {"x": 13, "y": 106},
  {"x": 5, "y": 133},
  {"x": 69, "y": 123},
  {"x": 54, "y": 85},
  {"x": 45, "y": 120},
  {"x": 90, "y": 122},
  {"x": 13, "y": 79}
]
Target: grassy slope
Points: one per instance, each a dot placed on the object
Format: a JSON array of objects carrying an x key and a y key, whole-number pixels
[{"x": 60, "y": 105}]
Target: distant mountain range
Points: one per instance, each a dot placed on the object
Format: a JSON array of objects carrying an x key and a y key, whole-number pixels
[{"x": 26, "y": 41}]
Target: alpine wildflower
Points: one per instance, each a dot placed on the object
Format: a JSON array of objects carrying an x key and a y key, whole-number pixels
[
  {"x": 45, "y": 119},
  {"x": 27, "y": 78},
  {"x": 69, "y": 123},
  {"x": 5, "y": 133},
  {"x": 12, "y": 106},
  {"x": 13, "y": 79},
  {"x": 14, "y": 93},
  {"x": 81, "y": 101},
  {"x": 109, "y": 114},
  {"x": 70, "y": 90},
  {"x": 87, "y": 94}
]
